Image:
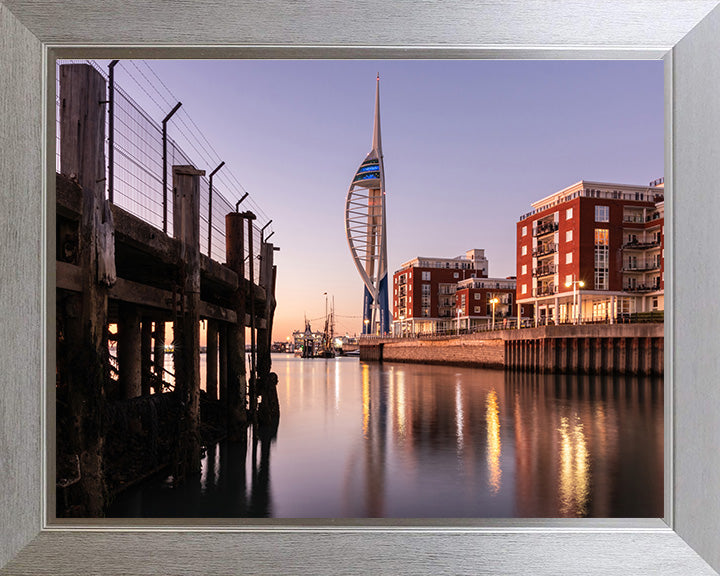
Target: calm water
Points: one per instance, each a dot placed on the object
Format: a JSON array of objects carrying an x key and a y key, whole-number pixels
[{"x": 410, "y": 441}]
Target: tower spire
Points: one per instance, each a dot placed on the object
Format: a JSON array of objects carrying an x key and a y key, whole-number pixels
[{"x": 377, "y": 143}]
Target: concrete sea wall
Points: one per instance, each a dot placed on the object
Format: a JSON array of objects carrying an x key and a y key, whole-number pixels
[{"x": 584, "y": 349}]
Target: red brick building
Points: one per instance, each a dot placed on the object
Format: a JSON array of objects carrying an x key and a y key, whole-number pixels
[
  {"x": 591, "y": 252},
  {"x": 433, "y": 295}
]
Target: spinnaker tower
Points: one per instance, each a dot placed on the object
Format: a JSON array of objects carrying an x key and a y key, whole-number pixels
[{"x": 366, "y": 231}]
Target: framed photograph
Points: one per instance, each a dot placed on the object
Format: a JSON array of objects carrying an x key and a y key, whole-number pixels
[{"x": 683, "y": 541}]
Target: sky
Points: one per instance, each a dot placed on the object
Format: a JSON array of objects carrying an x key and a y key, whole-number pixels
[{"x": 467, "y": 145}]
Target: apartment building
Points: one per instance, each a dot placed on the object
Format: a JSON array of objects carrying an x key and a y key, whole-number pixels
[
  {"x": 433, "y": 295},
  {"x": 592, "y": 252}
]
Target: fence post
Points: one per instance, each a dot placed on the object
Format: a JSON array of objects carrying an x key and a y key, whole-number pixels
[
  {"x": 210, "y": 199},
  {"x": 111, "y": 130},
  {"x": 164, "y": 161}
]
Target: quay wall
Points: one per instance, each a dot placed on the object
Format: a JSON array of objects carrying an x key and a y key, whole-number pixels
[{"x": 584, "y": 349}]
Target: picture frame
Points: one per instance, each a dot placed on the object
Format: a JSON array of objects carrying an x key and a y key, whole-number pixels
[{"x": 683, "y": 32}]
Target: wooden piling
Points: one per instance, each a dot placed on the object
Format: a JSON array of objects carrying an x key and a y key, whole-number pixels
[
  {"x": 129, "y": 350},
  {"x": 235, "y": 340},
  {"x": 145, "y": 355},
  {"x": 159, "y": 349},
  {"x": 82, "y": 122},
  {"x": 211, "y": 360},
  {"x": 269, "y": 410},
  {"x": 222, "y": 363},
  {"x": 186, "y": 227}
]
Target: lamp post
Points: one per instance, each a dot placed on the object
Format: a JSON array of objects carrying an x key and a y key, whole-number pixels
[
  {"x": 366, "y": 322},
  {"x": 575, "y": 284},
  {"x": 494, "y": 302}
]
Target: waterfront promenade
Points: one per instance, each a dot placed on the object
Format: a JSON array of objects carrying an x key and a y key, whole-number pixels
[{"x": 585, "y": 349}]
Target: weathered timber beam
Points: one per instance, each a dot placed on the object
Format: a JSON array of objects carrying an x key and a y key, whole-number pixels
[
  {"x": 145, "y": 237},
  {"x": 136, "y": 293},
  {"x": 215, "y": 312},
  {"x": 68, "y": 196},
  {"x": 259, "y": 321},
  {"x": 69, "y": 278},
  {"x": 218, "y": 273}
]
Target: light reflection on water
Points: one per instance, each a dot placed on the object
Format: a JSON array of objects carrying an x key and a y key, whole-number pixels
[{"x": 402, "y": 440}]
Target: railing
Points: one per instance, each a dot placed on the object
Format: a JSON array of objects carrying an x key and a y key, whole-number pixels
[
  {"x": 656, "y": 316},
  {"x": 545, "y": 249},
  {"x": 548, "y": 270},
  {"x": 641, "y": 267},
  {"x": 641, "y": 288},
  {"x": 635, "y": 245},
  {"x": 547, "y": 291},
  {"x": 138, "y": 172},
  {"x": 545, "y": 228}
]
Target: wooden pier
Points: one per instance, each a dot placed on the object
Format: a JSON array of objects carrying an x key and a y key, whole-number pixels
[{"x": 117, "y": 418}]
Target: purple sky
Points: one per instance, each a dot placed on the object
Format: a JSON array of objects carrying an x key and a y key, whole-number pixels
[{"x": 468, "y": 146}]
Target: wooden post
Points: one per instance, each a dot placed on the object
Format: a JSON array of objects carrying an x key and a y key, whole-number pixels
[
  {"x": 252, "y": 381},
  {"x": 159, "y": 351},
  {"x": 129, "y": 350},
  {"x": 587, "y": 350},
  {"x": 145, "y": 355},
  {"x": 621, "y": 366},
  {"x": 609, "y": 349},
  {"x": 211, "y": 360},
  {"x": 186, "y": 228},
  {"x": 264, "y": 335},
  {"x": 223, "y": 367},
  {"x": 235, "y": 349},
  {"x": 269, "y": 410},
  {"x": 82, "y": 155}
]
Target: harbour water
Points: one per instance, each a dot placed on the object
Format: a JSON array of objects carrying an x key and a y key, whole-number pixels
[{"x": 361, "y": 440}]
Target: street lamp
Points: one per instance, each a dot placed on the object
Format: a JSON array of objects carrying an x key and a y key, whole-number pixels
[
  {"x": 575, "y": 283},
  {"x": 494, "y": 302},
  {"x": 366, "y": 322}
]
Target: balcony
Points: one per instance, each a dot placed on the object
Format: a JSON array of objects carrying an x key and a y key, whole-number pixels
[
  {"x": 545, "y": 228},
  {"x": 648, "y": 267},
  {"x": 547, "y": 270},
  {"x": 545, "y": 249},
  {"x": 642, "y": 287},
  {"x": 548, "y": 290},
  {"x": 635, "y": 245}
]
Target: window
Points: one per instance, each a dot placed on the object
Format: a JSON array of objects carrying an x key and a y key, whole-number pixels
[
  {"x": 426, "y": 275},
  {"x": 568, "y": 258},
  {"x": 478, "y": 295},
  {"x": 602, "y": 258},
  {"x": 524, "y": 231},
  {"x": 456, "y": 275},
  {"x": 524, "y": 269},
  {"x": 602, "y": 213},
  {"x": 523, "y": 251},
  {"x": 478, "y": 310},
  {"x": 568, "y": 214},
  {"x": 568, "y": 236},
  {"x": 524, "y": 289},
  {"x": 426, "y": 289}
]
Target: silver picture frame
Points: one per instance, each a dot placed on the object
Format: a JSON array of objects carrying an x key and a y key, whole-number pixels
[{"x": 684, "y": 33}]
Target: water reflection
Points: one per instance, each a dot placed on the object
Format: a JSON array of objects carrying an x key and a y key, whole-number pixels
[{"x": 402, "y": 440}]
